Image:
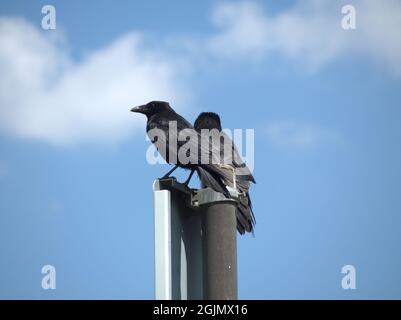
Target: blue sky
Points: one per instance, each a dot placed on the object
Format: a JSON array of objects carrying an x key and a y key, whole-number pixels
[{"x": 75, "y": 187}]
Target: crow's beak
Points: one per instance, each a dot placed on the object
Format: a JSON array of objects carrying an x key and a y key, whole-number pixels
[{"x": 140, "y": 109}]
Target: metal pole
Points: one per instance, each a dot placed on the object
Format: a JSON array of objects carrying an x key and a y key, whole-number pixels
[
  {"x": 195, "y": 242},
  {"x": 219, "y": 237}
]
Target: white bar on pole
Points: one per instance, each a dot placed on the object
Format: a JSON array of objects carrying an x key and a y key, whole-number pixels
[
  {"x": 162, "y": 223},
  {"x": 178, "y": 243}
]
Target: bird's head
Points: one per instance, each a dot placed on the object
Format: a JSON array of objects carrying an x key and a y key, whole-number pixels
[
  {"x": 152, "y": 108},
  {"x": 207, "y": 120}
]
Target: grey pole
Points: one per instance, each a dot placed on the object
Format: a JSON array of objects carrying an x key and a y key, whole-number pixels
[
  {"x": 195, "y": 242},
  {"x": 219, "y": 235}
]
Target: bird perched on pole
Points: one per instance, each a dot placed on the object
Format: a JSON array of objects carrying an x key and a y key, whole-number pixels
[
  {"x": 166, "y": 130},
  {"x": 209, "y": 121}
]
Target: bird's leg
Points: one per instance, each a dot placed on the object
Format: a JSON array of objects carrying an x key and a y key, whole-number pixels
[
  {"x": 189, "y": 178},
  {"x": 170, "y": 172}
]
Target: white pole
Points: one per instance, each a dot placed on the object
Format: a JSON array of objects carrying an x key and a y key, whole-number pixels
[{"x": 162, "y": 223}]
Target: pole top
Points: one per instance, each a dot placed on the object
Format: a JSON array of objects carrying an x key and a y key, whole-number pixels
[
  {"x": 171, "y": 184},
  {"x": 198, "y": 197}
]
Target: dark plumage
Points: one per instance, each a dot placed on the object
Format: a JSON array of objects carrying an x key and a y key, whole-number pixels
[
  {"x": 207, "y": 120},
  {"x": 243, "y": 176},
  {"x": 159, "y": 114}
]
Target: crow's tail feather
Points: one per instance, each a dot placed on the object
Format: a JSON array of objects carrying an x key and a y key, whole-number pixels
[{"x": 245, "y": 217}]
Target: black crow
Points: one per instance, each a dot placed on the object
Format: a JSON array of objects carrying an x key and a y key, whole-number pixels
[
  {"x": 243, "y": 176},
  {"x": 165, "y": 129}
]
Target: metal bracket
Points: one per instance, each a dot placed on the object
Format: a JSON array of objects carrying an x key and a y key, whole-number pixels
[{"x": 207, "y": 196}]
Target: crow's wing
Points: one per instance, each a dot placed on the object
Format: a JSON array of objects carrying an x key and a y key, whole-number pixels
[
  {"x": 224, "y": 152},
  {"x": 183, "y": 147},
  {"x": 177, "y": 141}
]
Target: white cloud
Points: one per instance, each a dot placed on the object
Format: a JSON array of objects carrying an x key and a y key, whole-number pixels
[
  {"x": 46, "y": 95},
  {"x": 292, "y": 134},
  {"x": 309, "y": 32}
]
